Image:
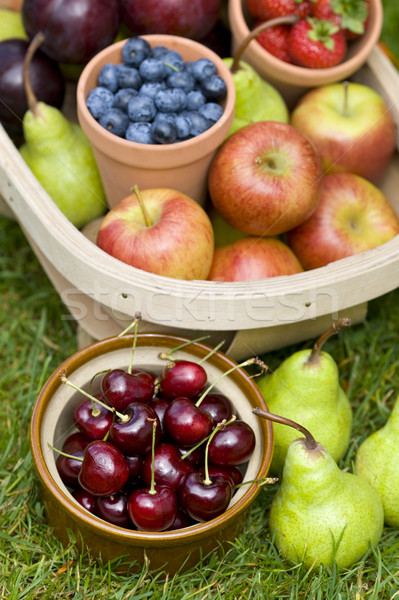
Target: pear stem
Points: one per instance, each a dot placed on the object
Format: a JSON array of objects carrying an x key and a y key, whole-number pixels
[
  {"x": 309, "y": 439},
  {"x": 287, "y": 20},
  {"x": 146, "y": 216},
  {"x": 33, "y": 46},
  {"x": 336, "y": 327},
  {"x": 346, "y": 94}
]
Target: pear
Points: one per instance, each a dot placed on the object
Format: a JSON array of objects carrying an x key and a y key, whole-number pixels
[
  {"x": 11, "y": 25},
  {"x": 377, "y": 461},
  {"x": 305, "y": 387},
  {"x": 60, "y": 156},
  {"x": 321, "y": 514}
]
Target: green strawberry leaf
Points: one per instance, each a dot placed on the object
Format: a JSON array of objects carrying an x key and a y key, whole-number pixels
[
  {"x": 321, "y": 31},
  {"x": 353, "y": 14}
]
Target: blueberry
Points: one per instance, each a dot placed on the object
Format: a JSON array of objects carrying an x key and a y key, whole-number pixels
[
  {"x": 171, "y": 100},
  {"x": 211, "y": 111},
  {"x": 99, "y": 100},
  {"x": 158, "y": 51},
  {"x": 198, "y": 123},
  {"x": 151, "y": 89},
  {"x": 139, "y": 132},
  {"x": 173, "y": 61},
  {"x": 152, "y": 69},
  {"x": 181, "y": 79},
  {"x": 202, "y": 68},
  {"x": 164, "y": 131},
  {"x": 128, "y": 77},
  {"x": 108, "y": 77},
  {"x": 122, "y": 97},
  {"x": 141, "y": 108},
  {"x": 182, "y": 123},
  {"x": 135, "y": 50},
  {"x": 115, "y": 121},
  {"x": 195, "y": 100},
  {"x": 214, "y": 88}
]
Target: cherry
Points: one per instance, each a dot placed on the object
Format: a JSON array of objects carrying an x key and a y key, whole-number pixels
[
  {"x": 84, "y": 498},
  {"x": 160, "y": 404},
  {"x": 181, "y": 520},
  {"x": 184, "y": 378},
  {"x": 135, "y": 464},
  {"x": 203, "y": 500},
  {"x": 75, "y": 441},
  {"x": 104, "y": 469},
  {"x": 185, "y": 423},
  {"x": 218, "y": 406},
  {"x": 92, "y": 419},
  {"x": 120, "y": 387},
  {"x": 113, "y": 509},
  {"x": 169, "y": 468},
  {"x": 232, "y": 445},
  {"x": 132, "y": 433},
  {"x": 69, "y": 467},
  {"x": 192, "y": 456}
]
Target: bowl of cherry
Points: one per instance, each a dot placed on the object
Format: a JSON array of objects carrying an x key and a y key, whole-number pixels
[{"x": 147, "y": 448}]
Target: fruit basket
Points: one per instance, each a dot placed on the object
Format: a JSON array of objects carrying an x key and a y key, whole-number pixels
[{"x": 102, "y": 294}]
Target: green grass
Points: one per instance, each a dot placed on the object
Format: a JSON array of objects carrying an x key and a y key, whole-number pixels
[{"x": 36, "y": 336}]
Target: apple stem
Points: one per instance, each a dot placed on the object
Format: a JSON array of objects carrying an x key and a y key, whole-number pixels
[
  {"x": 336, "y": 327},
  {"x": 246, "y": 363},
  {"x": 169, "y": 355},
  {"x": 64, "y": 379},
  {"x": 309, "y": 439},
  {"x": 152, "y": 489},
  {"x": 37, "y": 40},
  {"x": 287, "y": 20},
  {"x": 146, "y": 216},
  {"x": 80, "y": 458},
  {"x": 222, "y": 425}
]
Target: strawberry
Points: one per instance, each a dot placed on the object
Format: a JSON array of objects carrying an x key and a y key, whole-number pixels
[
  {"x": 316, "y": 44},
  {"x": 349, "y": 15},
  {"x": 268, "y": 9},
  {"x": 275, "y": 41}
]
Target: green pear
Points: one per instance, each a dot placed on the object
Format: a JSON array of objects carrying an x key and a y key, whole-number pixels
[
  {"x": 60, "y": 156},
  {"x": 305, "y": 387},
  {"x": 377, "y": 461},
  {"x": 256, "y": 99},
  {"x": 11, "y": 25},
  {"x": 224, "y": 233},
  {"x": 321, "y": 514}
]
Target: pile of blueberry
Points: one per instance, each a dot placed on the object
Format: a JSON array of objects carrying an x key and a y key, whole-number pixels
[
  {"x": 155, "y": 97},
  {"x": 155, "y": 452}
]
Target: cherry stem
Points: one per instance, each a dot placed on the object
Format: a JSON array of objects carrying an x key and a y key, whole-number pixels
[
  {"x": 33, "y": 46},
  {"x": 287, "y": 20},
  {"x": 213, "y": 351},
  {"x": 137, "y": 317},
  {"x": 136, "y": 326},
  {"x": 169, "y": 355},
  {"x": 146, "y": 216},
  {"x": 219, "y": 427},
  {"x": 152, "y": 489},
  {"x": 246, "y": 363},
  {"x": 309, "y": 439},
  {"x": 261, "y": 480},
  {"x": 80, "y": 458},
  {"x": 336, "y": 327},
  {"x": 64, "y": 379}
]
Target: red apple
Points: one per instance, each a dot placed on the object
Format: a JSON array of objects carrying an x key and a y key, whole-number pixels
[
  {"x": 253, "y": 258},
  {"x": 353, "y": 216},
  {"x": 161, "y": 231},
  {"x": 264, "y": 179},
  {"x": 351, "y": 126},
  {"x": 193, "y": 19}
]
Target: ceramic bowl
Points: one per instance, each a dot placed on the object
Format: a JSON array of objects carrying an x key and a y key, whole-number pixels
[
  {"x": 51, "y": 424},
  {"x": 182, "y": 166},
  {"x": 292, "y": 80}
]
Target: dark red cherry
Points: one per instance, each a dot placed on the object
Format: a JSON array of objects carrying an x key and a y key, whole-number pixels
[
  {"x": 75, "y": 441},
  {"x": 185, "y": 378},
  {"x": 135, "y": 464},
  {"x": 85, "y": 499},
  {"x": 69, "y": 468},
  {"x": 104, "y": 469},
  {"x": 181, "y": 520},
  {"x": 92, "y": 419},
  {"x": 232, "y": 445},
  {"x": 194, "y": 458},
  {"x": 160, "y": 404},
  {"x": 185, "y": 423},
  {"x": 218, "y": 406},
  {"x": 232, "y": 474},
  {"x": 169, "y": 468},
  {"x": 204, "y": 501},
  {"x": 153, "y": 511},
  {"x": 121, "y": 388},
  {"x": 133, "y": 436},
  {"x": 113, "y": 509}
]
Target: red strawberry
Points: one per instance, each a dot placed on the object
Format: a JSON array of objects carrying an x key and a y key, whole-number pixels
[
  {"x": 275, "y": 41},
  {"x": 268, "y": 9},
  {"x": 316, "y": 44},
  {"x": 349, "y": 15}
]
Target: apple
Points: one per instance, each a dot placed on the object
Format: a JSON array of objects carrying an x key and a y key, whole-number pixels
[
  {"x": 264, "y": 179},
  {"x": 352, "y": 216},
  {"x": 351, "y": 127},
  {"x": 193, "y": 19},
  {"x": 253, "y": 258},
  {"x": 160, "y": 230}
]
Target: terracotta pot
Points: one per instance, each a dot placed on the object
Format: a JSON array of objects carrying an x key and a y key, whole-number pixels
[
  {"x": 182, "y": 166},
  {"x": 292, "y": 80},
  {"x": 51, "y": 424}
]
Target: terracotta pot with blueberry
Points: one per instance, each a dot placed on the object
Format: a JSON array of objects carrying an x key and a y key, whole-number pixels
[{"x": 155, "y": 109}]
